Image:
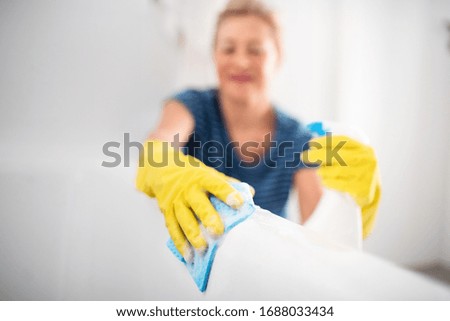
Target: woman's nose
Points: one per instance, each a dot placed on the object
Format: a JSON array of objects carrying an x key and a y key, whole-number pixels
[{"x": 241, "y": 59}]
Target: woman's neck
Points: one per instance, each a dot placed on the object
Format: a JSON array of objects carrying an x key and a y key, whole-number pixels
[{"x": 251, "y": 113}]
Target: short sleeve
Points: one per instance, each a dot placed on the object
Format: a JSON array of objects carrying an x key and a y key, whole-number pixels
[{"x": 194, "y": 101}]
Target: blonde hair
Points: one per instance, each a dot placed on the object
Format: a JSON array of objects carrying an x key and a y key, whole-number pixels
[{"x": 256, "y": 8}]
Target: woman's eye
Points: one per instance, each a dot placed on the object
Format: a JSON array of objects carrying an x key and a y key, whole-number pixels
[
  {"x": 228, "y": 50},
  {"x": 255, "y": 51}
]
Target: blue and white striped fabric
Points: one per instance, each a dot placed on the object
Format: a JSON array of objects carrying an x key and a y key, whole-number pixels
[{"x": 271, "y": 174}]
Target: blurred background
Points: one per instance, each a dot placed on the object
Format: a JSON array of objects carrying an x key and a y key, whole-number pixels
[{"x": 76, "y": 74}]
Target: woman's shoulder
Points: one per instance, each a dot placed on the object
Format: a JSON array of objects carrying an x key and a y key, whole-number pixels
[
  {"x": 195, "y": 96},
  {"x": 289, "y": 123},
  {"x": 292, "y": 129},
  {"x": 200, "y": 103}
]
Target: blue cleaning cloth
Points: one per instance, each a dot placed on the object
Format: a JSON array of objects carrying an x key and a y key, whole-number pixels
[{"x": 201, "y": 264}]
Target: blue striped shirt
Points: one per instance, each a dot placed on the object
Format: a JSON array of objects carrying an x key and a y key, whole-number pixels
[{"x": 270, "y": 174}]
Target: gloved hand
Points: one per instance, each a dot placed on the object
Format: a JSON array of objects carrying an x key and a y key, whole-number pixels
[
  {"x": 348, "y": 166},
  {"x": 181, "y": 184}
]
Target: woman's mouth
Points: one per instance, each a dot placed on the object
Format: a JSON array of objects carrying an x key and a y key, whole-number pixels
[{"x": 241, "y": 78}]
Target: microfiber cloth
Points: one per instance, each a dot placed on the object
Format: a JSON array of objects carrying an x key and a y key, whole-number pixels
[{"x": 201, "y": 264}]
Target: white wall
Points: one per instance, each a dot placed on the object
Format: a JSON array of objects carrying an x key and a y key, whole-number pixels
[
  {"x": 81, "y": 72},
  {"x": 445, "y": 248},
  {"x": 74, "y": 75},
  {"x": 307, "y": 80},
  {"x": 441, "y": 59},
  {"x": 394, "y": 77},
  {"x": 384, "y": 67}
]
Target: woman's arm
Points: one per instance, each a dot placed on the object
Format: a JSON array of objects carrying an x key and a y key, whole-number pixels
[
  {"x": 309, "y": 189},
  {"x": 175, "y": 119},
  {"x": 182, "y": 186}
]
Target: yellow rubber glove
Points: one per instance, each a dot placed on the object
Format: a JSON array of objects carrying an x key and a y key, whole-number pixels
[
  {"x": 181, "y": 185},
  {"x": 348, "y": 166}
]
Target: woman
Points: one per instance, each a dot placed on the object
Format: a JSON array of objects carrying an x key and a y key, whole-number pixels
[{"x": 265, "y": 143}]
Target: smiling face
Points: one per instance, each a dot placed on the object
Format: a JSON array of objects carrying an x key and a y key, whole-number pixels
[{"x": 246, "y": 57}]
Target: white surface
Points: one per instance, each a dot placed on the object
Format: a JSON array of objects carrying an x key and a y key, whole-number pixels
[
  {"x": 85, "y": 233},
  {"x": 338, "y": 218},
  {"x": 270, "y": 258}
]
